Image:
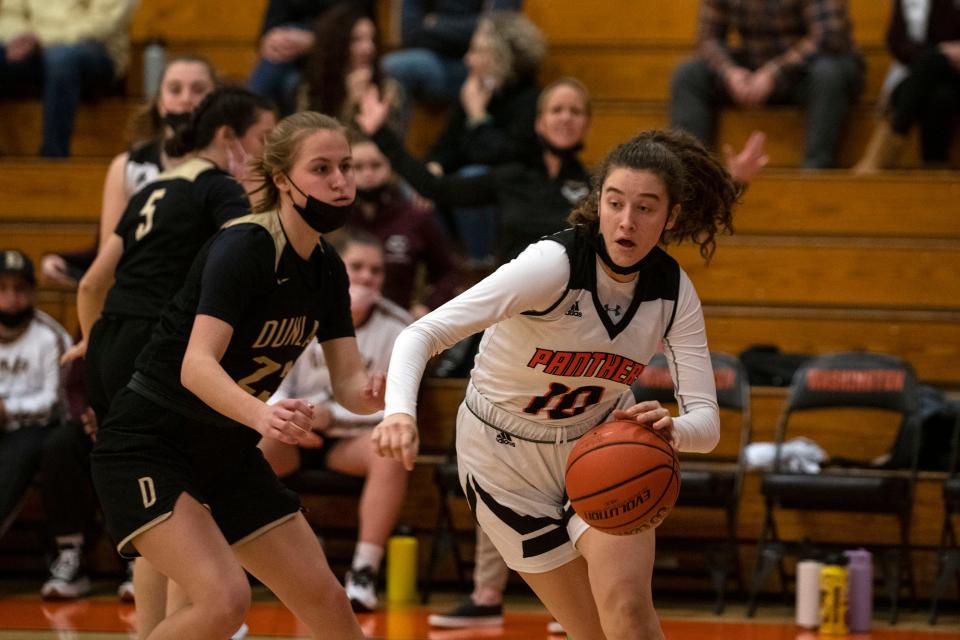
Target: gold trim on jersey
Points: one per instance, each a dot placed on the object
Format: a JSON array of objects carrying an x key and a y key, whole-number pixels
[
  {"x": 269, "y": 220},
  {"x": 150, "y": 525},
  {"x": 188, "y": 170}
]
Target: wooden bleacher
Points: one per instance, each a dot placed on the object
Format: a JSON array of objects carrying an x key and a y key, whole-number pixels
[{"x": 822, "y": 261}]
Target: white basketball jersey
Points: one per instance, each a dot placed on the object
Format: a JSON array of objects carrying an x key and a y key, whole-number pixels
[{"x": 555, "y": 354}]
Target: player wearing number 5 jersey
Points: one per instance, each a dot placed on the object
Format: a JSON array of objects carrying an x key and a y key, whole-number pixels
[
  {"x": 570, "y": 323},
  {"x": 176, "y": 463},
  {"x": 144, "y": 262}
]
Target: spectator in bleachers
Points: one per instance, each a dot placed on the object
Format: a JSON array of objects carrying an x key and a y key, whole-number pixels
[
  {"x": 345, "y": 64},
  {"x": 31, "y": 397},
  {"x": 346, "y": 446},
  {"x": 69, "y": 47},
  {"x": 790, "y": 52},
  {"x": 923, "y": 85},
  {"x": 434, "y": 35},
  {"x": 287, "y": 36},
  {"x": 534, "y": 195},
  {"x": 493, "y": 123},
  {"x": 411, "y": 238},
  {"x": 185, "y": 81}
]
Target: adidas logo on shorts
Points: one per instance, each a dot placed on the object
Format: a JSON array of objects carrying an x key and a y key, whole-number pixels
[
  {"x": 574, "y": 310},
  {"x": 504, "y": 438}
]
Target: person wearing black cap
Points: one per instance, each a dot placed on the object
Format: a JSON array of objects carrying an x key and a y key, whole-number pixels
[{"x": 31, "y": 401}]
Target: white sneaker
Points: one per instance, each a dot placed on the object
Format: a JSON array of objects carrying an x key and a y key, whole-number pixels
[
  {"x": 361, "y": 588},
  {"x": 67, "y": 578},
  {"x": 555, "y": 628},
  {"x": 240, "y": 633},
  {"x": 125, "y": 590}
]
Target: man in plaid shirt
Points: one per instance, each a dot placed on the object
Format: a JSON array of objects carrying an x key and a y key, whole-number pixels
[{"x": 789, "y": 52}]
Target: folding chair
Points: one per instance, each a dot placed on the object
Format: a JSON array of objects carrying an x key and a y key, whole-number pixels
[
  {"x": 446, "y": 477},
  {"x": 823, "y": 389},
  {"x": 948, "y": 552},
  {"x": 713, "y": 480}
]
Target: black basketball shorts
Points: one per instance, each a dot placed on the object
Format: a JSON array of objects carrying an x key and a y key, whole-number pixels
[{"x": 146, "y": 456}]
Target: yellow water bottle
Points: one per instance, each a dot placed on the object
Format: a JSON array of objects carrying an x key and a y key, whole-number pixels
[
  {"x": 833, "y": 598},
  {"x": 402, "y": 560}
]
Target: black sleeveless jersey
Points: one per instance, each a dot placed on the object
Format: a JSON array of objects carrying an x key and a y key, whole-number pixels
[
  {"x": 163, "y": 227},
  {"x": 250, "y": 277}
]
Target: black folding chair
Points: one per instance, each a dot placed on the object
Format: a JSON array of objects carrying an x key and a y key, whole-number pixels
[
  {"x": 713, "y": 480},
  {"x": 948, "y": 552},
  {"x": 823, "y": 389},
  {"x": 446, "y": 477}
]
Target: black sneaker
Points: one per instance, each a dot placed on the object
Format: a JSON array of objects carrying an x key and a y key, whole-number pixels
[
  {"x": 67, "y": 577},
  {"x": 468, "y": 614},
  {"x": 361, "y": 588}
]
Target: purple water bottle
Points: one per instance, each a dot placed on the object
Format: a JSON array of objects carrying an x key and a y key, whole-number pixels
[{"x": 860, "y": 590}]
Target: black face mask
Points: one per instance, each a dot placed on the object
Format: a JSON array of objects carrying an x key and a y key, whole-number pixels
[
  {"x": 17, "y": 318},
  {"x": 613, "y": 266},
  {"x": 373, "y": 195},
  {"x": 176, "y": 120},
  {"x": 321, "y": 217},
  {"x": 568, "y": 152}
]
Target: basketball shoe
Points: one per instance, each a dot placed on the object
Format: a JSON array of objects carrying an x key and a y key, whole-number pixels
[
  {"x": 361, "y": 587},
  {"x": 468, "y": 614},
  {"x": 67, "y": 576}
]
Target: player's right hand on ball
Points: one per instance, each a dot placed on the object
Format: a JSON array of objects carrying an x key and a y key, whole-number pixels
[
  {"x": 288, "y": 421},
  {"x": 396, "y": 437}
]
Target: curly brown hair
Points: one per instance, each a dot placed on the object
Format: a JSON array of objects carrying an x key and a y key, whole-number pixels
[{"x": 694, "y": 179}]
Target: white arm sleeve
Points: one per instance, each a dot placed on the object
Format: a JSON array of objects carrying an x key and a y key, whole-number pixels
[
  {"x": 697, "y": 428},
  {"x": 533, "y": 281}
]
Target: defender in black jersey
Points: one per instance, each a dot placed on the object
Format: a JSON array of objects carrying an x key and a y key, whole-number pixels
[
  {"x": 572, "y": 321},
  {"x": 176, "y": 464},
  {"x": 158, "y": 236}
]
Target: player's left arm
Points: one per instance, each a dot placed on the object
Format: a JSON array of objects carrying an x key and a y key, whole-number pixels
[
  {"x": 353, "y": 387},
  {"x": 697, "y": 428}
]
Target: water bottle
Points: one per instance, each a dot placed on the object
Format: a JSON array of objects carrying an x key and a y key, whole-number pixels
[
  {"x": 402, "y": 561},
  {"x": 154, "y": 59},
  {"x": 833, "y": 597},
  {"x": 860, "y": 590},
  {"x": 808, "y": 594}
]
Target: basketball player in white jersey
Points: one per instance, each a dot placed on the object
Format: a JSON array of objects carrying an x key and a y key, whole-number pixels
[{"x": 569, "y": 325}]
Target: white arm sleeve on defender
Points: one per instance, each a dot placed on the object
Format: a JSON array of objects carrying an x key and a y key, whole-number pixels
[
  {"x": 533, "y": 281},
  {"x": 697, "y": 428}
]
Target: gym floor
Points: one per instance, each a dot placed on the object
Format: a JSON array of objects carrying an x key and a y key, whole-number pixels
[{"x": 24, "y": 616}]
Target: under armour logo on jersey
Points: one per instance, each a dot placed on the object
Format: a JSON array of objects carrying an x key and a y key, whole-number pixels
[
  {"x": 614, "y": 310},
  {"x": 504, "y": 438},
  {"x": 574, "y": 310}
]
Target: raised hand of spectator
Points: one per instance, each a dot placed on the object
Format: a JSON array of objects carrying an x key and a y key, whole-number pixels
[
  {"x": 760, "y": 85},
  {"x": 283, "y": 44},
  {"x": 737, "y": 81},
  {"x": 21, "y": 46},
  {"x": 951, "y": 50},
  {"x": 54, "y": 268},
  {"x": 373, "y": 111},
  {"x": 475, "y": 95},
  {"x": 746, "y": 164}
]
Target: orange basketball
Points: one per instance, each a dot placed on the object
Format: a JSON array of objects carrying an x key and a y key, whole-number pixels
[{"x": 622, "y": 478}]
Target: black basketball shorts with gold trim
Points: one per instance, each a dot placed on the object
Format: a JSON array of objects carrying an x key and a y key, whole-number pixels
[{"x": 146, "y": 456}]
